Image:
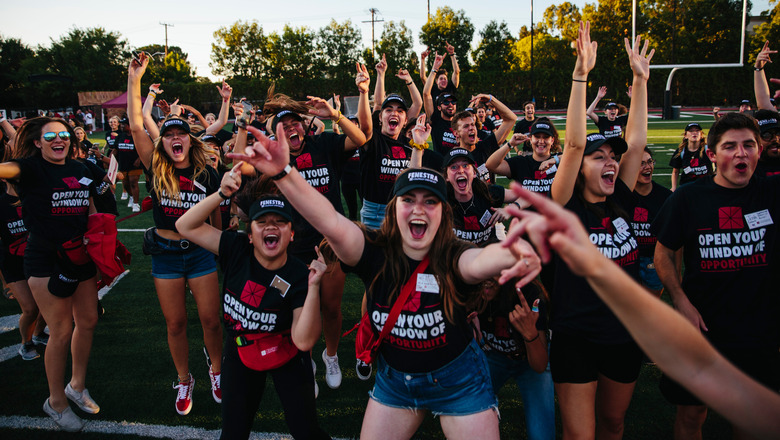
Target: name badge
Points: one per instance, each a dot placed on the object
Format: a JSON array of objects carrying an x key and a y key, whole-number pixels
[
  {"x": 687, "y": 170},
  {"x": 280, "y": 284},
  {"x": 759, "y": 219},
  {"x": 552, "y": 169},
  {"x": 427, "y": 283},
  {"x": 85, "y": 181},
  {"x": 485, "y": 218},
  {"x": 620, "y": 225}
]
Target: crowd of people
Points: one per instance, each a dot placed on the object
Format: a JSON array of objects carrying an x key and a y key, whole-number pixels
[{"x": 554, "y": 281}]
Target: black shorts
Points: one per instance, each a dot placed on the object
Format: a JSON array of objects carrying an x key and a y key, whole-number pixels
[
  {"x": 574, "y": 359},
  {"x": 40, "y": 260},
  {"x": 761, "y": 365},
  {"x": 12, "y": 267}
]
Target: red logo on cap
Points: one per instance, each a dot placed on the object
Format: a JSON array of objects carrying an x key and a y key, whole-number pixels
[
  {"x": 730, "y": 217},
  {"x": 471, "y": 223},
  {"x": 252, "y": 294},
  {"x": 72, "y": 182},
  {"x": 398, "y": 152},
  {"x": 185, "y": 184},
  {"x": 640, "y": 214},
  {"x": 303, "y": 161}
]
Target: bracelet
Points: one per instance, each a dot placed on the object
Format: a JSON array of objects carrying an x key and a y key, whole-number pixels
[
  {"x": 423, "y": 146},
  {"x": 532, "y": 339},
  {"x": 221, "y": 194},
  {"x": 579, "y": 80},
  {"x": 758, "y": 69},
  {"x": 284, "y": 172},
  {"x": 341, "y": 116},
  {"x": 410, "y": 83},
  {"x": 557, "y": 159},
  {"x": 517, "y": 204},
  {"x": 152, "y": 94},
  {"x": 490, "y": 100}
]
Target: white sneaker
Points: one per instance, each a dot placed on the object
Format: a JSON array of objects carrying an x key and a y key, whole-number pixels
[
  {"x": 363, "y": 370},
  {"x": 83, "y": 400},
  {"x": 67, "y": 420},
  {"x": 184, "y": 396},
  {"x": 332, "y": 370},
  {"x": 124, "y": 196},
  {"x": 130, "y": 202},
  {"x": 136, "y": 207}
]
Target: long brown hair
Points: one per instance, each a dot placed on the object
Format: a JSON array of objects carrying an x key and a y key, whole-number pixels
[
  {"x": 443, "y": 255},
  {"x": 32, "y": 130},
  {"x": 164, "y": 172},
  {"x": 684, "y": 146}
]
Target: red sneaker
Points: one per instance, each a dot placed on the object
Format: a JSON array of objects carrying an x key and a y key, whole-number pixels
[
  {"x": 216, "y": 389},
  {"x": 184, "y": 398}
]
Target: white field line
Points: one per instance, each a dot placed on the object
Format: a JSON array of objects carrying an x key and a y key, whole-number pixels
[
  {"x": 131, "y": 428},
  {"x": 9, "y": 323}
]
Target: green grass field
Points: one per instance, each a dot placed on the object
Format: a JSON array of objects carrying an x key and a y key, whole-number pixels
[{"x": 131, "y": 372}]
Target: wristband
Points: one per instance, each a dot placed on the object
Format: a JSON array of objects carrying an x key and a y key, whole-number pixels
[
  {"x": 423, "y": 146},
  {"x": 341, "y": 116},
  {"x": 225, "y": 197},
  {"x": 557, "y": 159},
  {"x": 517, "y": 204},
  {"x": 410, "y": 83},
  {"x": 579, "y": 80},
  {"x": 758, "y": 69},
  {"x": 532, "y": 339},
  {"x": 490, "y": 100},
  {"x": 152, "y": 94},
  {"x": 285, "y": 171}
]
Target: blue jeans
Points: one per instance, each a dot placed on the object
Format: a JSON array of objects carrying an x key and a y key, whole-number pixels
[
  {"x": 372, "y": 214},
  {"x": 536, "y": 390}
]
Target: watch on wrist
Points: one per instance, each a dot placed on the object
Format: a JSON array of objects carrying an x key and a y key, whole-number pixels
[{"x": 284, "y": 172}]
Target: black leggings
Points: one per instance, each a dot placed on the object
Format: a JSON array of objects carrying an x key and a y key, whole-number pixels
[{"x": 242, "y": 390}]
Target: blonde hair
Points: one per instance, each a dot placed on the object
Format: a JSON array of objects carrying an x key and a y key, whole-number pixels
[{"x": 164, "y": 173}]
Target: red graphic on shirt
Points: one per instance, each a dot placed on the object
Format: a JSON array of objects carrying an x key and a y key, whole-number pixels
[
  {"x": 502, "y": 327},
  {"x": 252, "y": 293},
  {"x": 539, "y": 175},
  {"x": 398, "y": 152},
  {"x": 185, "y": 184},
  {"x": 412, "y": 303},
  {"x": 640, "y": 214},
  {"x": 730, "y": 217},
  {"x": 72, "y": 182},
  {"x": 695, "y": 162},
  {"x": 19, "y": 211},
  {"x": 303, "y": 161},
  {"x": 471, "y": 223},
  {"x": 606, "y": 222},
  {"x": 230, "y": 322}
]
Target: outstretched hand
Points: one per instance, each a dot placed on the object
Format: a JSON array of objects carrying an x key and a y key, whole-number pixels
[
  {"x": 321, "y": 108},
  {"x": 523, "y": 318},
  {"x": 763, "y": 57},
  {"x": 438, "y": 60},
  {"x": 528, "y": 264},
  {"x": 266, "y": 155},
  {"x": 362, "y": 78},
  {"x": 602, "y": 92},
  {"x": 421, "y": 130},
  {"x": 317, "y": 268},
  {"x": 225, "y": 91},
  {"x": 137, "y": 67},
  {"x": 381, "y": 66},
  {"x": 586, "y": 52},
  {"x": 231, "y": 181},
  {"x": 155, "y": 88},
  {"x": 639, "y": 60},
  {"x": 404, "y": 75},
  {"x": 449, "y": 48}
]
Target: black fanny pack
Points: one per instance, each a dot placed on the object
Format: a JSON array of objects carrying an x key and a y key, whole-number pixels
[{"x": 156, "y": 245}]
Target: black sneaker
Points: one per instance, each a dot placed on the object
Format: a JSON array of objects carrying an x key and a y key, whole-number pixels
[{"x": 363, "y": 370}]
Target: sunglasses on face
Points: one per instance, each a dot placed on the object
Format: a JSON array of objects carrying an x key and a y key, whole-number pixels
[{"x": 49, "y": 136}]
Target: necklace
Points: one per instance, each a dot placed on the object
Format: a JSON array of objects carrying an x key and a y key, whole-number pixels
[{"x": 469, "y": 206}]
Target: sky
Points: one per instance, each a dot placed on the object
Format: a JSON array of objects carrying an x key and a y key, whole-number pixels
[{"x": 194, "y": 22}]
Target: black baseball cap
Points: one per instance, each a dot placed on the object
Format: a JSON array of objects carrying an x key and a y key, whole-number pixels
[
  {"x": 270, "y": 204},
  {"x": 595, "y": 140},
  {"x": 421, "y": 178},
  {"x": 693, "y": 126},
  {"x": 744, "y": 102},
  {"x": 395, "y": 98},
  {"x": 445, "y": 97},
  {"x": 458, "y": 153},
  {"x": 175, "y": 123},
  {"x": 610, "y": 105},
  {"x": 542, "y": 126},
  {"x": 282, "y": 114},
  {"x": 211, "y": 138},
  {"x": 767, "y": 120}
]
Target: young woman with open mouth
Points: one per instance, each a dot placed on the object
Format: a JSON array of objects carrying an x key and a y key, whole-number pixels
[
  {"x": 181, "y": 176},
  {"x": 690, "y": 161}
]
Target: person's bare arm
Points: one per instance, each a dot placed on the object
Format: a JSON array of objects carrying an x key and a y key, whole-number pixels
[
  {"x": 307, "y": 323},
  {"x": 428, "y": 87},
  {"x": 523, "y": 318},
  {"x": 760, "y": 86},
  {"x": 149, "y": 124},
  {"x": 508, "y": 117},
  {"x": 455, "y": 68},
  {"x": 675, "y": 178},
  {"x": 423, "y": 56},
  {"x": 420, "y": 134},
  {"x": 225, "y": 92},
  {"x": 379, "y": 87},
  {"x": 591, "y": 112},
  {"x": 666, "y": 266},
  {"x": 417, "y": 101},
  {"x": 321, "y": 109},
  {"x": 192, "y": 225},
  {"x": 143, "y": 144}
]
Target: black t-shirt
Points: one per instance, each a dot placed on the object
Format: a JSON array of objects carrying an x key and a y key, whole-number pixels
[
  {"x": 767, "y": 167},
  {"x": 498, "y": 333},
  {"x": 111, "y": 139},
  {"x": 321, "y": 162},
  {"x": 351, "y": 172},
  {"x": 249, "y": 303},
  {"x": 523, "y": 126},
  {"x": 166, "y": 210},
  {"x": 525, "y": 170},
  {"x": 125, "y": 152},
  {"x": 382, "y": 158},
  {"x": 471, "y": 220},
  {"x": 481, "y": 152},
  {"x": 693, "y": 165},
  {"x": 442, "y": 135},
  {"x": 11, "y": 223},
  {"x": 486, "y": 129},
  {"x": 730, "y": 251},
  {"x": 645, "y": 212},
  {"x": 423, "y": 339},
  {"x": 575, "y": 307},
  {"x": 104, "y": 200},
  {"x": 436, "y": 91},
  {"x": 612, "y": 128},
  {"x": 55, "y": 197}
]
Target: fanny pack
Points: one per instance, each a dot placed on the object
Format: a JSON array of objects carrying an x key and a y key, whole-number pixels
[
  {"x": 153, "y": 244},
  {"x": 266, "y": 351},
  {"x": 72, "y": 266}
]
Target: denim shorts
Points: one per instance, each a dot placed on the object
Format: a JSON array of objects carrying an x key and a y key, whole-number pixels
[
  {"x": 460, "y": 388},
  {"x": 194, "y": 263},
  {"x": 648, "y": 274},
  {"x": 372, "y": 214}
]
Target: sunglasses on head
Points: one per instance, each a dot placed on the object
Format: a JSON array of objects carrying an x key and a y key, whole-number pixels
[{"x": 49, "y": 136}]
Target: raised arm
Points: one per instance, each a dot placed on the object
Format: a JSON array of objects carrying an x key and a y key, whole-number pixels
[
  {"x": 576, "y": 126},
  {"x": 427, "y": 98},
  {"x": 192, "y": 225},
  {"x": 478, "y": 264},
  {"x": 423, "y": 56},
  {"x": 363, "y": 81},
  {"x": 195, "y": 112},
  {"x": 225, "y": 92},
  {"x": 497, "y": 161},
  {"x": 143, "y": 144},
  {"x": 307, "y": 323},
  {"x": 420, "y": 134},
  {"x": 272, "y": 157},
  {"x": 149, "y": 124},
  {"x": 636, "y": 127},
  {"x": 417, "y": 102},
  {"x": 455, "y": 68},
  {"x": 760, "y": 86},
  {"x": 321, "y": 109},
  {"x": 591, "y": 112},
  {"x": 379, "y": 88},
  {"x": 508, "y": 117}
]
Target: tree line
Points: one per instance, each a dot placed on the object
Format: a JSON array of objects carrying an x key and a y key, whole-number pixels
[{"x": 303, "y": 61}]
